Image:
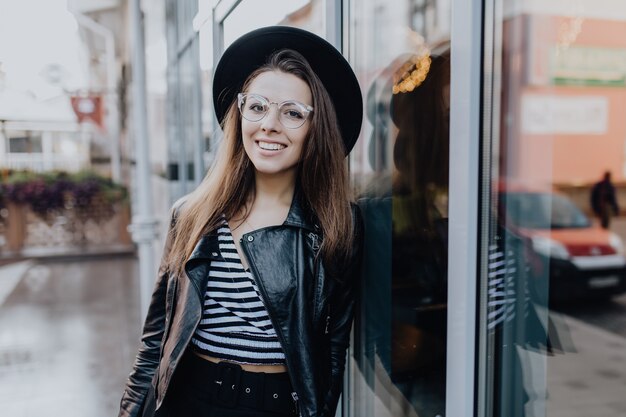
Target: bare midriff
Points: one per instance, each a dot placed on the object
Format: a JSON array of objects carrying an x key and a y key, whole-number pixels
[{"x": 268, "y": 369}]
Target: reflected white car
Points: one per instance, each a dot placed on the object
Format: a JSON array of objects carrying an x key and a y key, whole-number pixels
[{"x": 581, "y": 259}]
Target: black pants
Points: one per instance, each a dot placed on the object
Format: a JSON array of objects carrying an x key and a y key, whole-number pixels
[{"x": 200, "y": 388}]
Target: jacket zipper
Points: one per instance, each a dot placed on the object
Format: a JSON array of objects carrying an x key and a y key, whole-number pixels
[
  {"x": 278, "y": 330},
  {"x": 315, "y": 246},
  {"x": 327, "y": 321}
]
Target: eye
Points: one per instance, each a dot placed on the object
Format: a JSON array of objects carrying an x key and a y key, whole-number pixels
[
  {"x": 293, "y": 111},
  {"x": 255, "y": 104},
  {"x": 294, "y": 114},
  {"x": 256, "y": 107}
]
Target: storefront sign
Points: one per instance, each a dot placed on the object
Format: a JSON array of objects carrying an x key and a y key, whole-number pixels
[
  {"x": 588, "y": 66},
  {"x": 573, "y": 115},
  {"x": 88, "y": 108}
]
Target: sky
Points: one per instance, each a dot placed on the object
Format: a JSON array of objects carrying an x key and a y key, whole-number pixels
[{"x": 35, "y": 34}]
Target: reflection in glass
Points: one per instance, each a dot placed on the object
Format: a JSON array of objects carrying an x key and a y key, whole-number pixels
[
  {"x": 543, "y": 211},
  {"x": 555, "y": 282},
  {"x": 401, "y": 331},
  {"x": 419, "y": 233},
  {"x": 252, "y": 14}
]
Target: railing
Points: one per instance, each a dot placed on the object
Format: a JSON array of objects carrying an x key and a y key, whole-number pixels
[
  {"x": 41, "y": 162},
  {"x": 70, "y": 232}
]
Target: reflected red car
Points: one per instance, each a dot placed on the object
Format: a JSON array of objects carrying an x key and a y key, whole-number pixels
[{"x": 579, "y": 259}]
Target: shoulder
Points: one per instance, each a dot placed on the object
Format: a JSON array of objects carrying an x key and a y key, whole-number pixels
[
  {"x": 176, "y": 209},
  {"x": 179, "y": 203}
]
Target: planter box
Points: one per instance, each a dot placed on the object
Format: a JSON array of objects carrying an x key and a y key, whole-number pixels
[
  {"x": 15, "y": 227},
  {"x": 67, "y": 233}
]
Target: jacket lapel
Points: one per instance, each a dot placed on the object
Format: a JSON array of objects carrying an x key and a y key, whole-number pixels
[
  {"x": 198, "y": 264},
  {"x": 297, "y": 215}
]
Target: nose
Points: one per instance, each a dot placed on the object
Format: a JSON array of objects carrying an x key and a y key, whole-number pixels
[{"x": 271, "y": 122}]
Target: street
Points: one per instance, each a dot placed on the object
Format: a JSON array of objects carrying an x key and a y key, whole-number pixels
[
  {"x": 607, "y": 314},
  {"x": 69, "y": 331}
]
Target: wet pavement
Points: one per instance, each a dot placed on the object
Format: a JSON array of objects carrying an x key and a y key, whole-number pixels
[
  {"x": 592, "y": 381},
  {"x": 69, "y": 331}
]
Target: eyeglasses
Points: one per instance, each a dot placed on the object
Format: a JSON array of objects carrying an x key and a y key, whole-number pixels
[{"x": 291, "y": 114}]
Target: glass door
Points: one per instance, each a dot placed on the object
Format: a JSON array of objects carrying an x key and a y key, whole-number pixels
[
  {"x": 553, "y": 272},
  {"x": 400, "y": 168}
]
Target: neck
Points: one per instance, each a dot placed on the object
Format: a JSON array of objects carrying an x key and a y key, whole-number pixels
[{"x": 274, "y": 189}]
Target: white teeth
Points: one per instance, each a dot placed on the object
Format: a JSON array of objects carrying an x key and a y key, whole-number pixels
[{"x": 271, "y": 146}]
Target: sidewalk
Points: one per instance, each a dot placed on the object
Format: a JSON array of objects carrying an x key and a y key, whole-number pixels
[
  {"x": 591, "y": 382},
  {"x": 69, "y": 331},
  {"x": 54, "y": 253}
]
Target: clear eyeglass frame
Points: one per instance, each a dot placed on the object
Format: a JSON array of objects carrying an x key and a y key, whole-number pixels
[{"x": 292, "y": 114}]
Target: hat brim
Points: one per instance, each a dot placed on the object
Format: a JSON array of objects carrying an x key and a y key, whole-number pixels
[{"x": 252, "y": 50}]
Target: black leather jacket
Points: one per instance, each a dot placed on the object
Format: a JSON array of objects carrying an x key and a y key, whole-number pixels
[{"x": 311, "y": 311}]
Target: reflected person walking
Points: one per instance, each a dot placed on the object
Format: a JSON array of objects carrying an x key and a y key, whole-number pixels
[{"x": 604, "y": 201}]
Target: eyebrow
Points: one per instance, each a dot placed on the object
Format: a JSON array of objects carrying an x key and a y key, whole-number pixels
[{"x": 280, "y": 102}]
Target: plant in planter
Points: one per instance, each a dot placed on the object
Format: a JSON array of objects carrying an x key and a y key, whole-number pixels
[
  {"x": 94, "y": 197},
  {"x": 71, "y": 201},
  {"x": 51, "y": 194},
  {"x": 43, "y": 193}
]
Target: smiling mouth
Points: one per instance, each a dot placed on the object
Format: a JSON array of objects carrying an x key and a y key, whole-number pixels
[{"x": 270, "y": 146}]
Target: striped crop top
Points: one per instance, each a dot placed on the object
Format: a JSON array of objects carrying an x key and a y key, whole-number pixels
[{"x": 235, "y": 325}]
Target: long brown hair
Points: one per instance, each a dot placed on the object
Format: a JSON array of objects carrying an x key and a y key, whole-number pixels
[{"x": 322, "y": 174}]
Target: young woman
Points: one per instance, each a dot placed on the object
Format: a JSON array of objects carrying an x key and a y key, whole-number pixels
[{"x": 253, "y": 304}]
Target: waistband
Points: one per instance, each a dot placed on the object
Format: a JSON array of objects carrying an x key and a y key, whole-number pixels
[{"x": 227, "y": 385}]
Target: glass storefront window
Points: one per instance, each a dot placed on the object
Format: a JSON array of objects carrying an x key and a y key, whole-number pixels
[
  {"x": 401, "y": 53},
  {"x": 554, "y": 283},
  {"x": 252, "y": 14}
]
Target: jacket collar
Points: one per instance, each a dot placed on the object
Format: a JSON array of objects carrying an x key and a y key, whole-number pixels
[
  {"x": 298, "y": 216},
  {"x": 207, "y": 247}
]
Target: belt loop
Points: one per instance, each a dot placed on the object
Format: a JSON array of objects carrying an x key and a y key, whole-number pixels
[
  {"x": 217, "y": 381},
  {"x": 228, "y": 383},
  {"x": 262, "y": 390}
]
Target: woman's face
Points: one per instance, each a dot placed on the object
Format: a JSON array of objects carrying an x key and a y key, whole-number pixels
[{"x": 273, "y": 148}]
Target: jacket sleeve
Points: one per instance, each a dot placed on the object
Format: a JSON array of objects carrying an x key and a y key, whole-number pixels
[
  {"x": 342, "y": 315},
  {"x": 147, "y": 358}
]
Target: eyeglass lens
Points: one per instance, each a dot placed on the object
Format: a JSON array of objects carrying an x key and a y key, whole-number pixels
[{"x": 291, "y": 114}]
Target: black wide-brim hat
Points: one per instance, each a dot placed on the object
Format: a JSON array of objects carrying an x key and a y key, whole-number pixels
[{"x": 252, "y": 50}]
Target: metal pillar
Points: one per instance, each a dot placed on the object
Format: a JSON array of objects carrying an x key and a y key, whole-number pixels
[
  {"x": 463, "y": 232},
  {"x": 143, "y": 227}
]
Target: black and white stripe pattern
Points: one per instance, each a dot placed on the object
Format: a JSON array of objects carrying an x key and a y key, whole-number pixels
[
  {"x": 235, "y": 324},
  {"x": 503, "y": 285}
]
